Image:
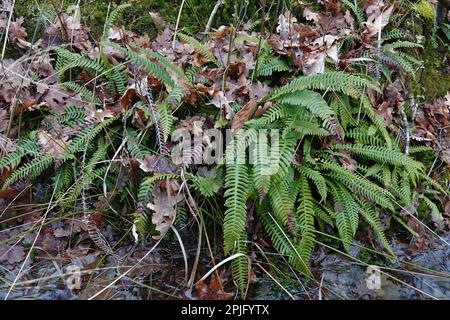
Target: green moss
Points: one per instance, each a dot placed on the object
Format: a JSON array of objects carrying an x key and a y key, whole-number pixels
[
  {"x": 426, "y": 11},
  {"x": 431, "y": 82},
  {"x": 194, "y": 16}
]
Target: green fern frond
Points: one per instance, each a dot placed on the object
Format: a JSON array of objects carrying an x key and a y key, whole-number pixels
[
  {"x": 168, "y": 65},
  {"x": 84, "y": 93},
  {"x": 283, "y": 243},
  {"x": 141, "y": 221},
  {"x": 317, "y": 178},
  {"x": 85, "y": 137},
  {"x": 200, "y": 48},
  {"x": 380, "y": 154},
  {"x": 240, "y": 265},
  {"x": 369, "y": 213},
  {"x": 305, "y": 220},
  {"x": 148, "y": 184},
  {"x": 31, "y": 169},
  {"x": 419, "y": 149},
  {"x": 348, "y": 84},
  {"x": 236, "y": 193},
  {"x": 154, "y": 69},
  {"x": 73, "y": 115},
  {"x": 356, "y": 9},
  {"x": 25, "y": 146},
  {"x": 343, "y": 215},
  {"x": 308, "y": 128},
  {"x": 267, "y": 68},
  {"x": 64, "y": 177},
  {"x": 359, "y": 184},
  {"x": 112, "y": 19}
]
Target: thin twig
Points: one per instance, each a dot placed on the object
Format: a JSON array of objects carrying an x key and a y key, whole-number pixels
[
  {"x": 213, "y": 13},
  {"x": 7, "y": 29},
  {"x": 176, "y": 26}
]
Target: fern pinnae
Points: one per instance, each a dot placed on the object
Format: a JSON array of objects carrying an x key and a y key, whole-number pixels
[
  {"x": 331, "y": 81},
  {"x": 283, "y": 243},
  {"x": 317, "y": 178},
  {"x": 240, "y": 265},
  {"x": 31, "y": 169},
  {"x": 154, "y": 69},
  {"x": 342, "y": 218},
  {"x": 112, "y": 19},
  {"x": 199, "y": 47},
  {"x": 305, "y": 220},
  {"x": 85, "y": 94},
  {"x": 381, "y": 154},
  {"x": 360, "y": 184},
  {"x": 236, "y": 185}
]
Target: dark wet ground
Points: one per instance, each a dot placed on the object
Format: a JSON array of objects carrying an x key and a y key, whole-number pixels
[{"x": 425, "y": 275}]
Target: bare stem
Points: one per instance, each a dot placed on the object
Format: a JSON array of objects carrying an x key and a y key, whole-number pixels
[{"x": 213, "y": 13}]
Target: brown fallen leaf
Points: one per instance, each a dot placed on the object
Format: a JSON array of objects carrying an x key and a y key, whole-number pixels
[
  {"x": 156, "y": 164},
  {"x": 52, "y": 144},
  {"x": 212, "y": 291},
  {"x": 243, "y": 115},
  {"x": 164, "y": 208}
]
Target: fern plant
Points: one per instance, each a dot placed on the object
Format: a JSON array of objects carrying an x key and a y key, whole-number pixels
[{"x": 311, "y": 185}]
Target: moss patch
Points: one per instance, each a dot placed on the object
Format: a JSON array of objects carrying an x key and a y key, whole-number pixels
[{"x": 432, "y": 82}]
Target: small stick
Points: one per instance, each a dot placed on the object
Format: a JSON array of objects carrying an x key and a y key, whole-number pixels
[
  {"x": 7, "y": 29},
  {"x": 176, "y": 26},
  {"x": 407, "y": 131},
  {"x": 213, "y": 13}
]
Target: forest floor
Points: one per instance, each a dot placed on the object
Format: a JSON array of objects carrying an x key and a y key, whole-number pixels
[{"x": 109, "y": 217}]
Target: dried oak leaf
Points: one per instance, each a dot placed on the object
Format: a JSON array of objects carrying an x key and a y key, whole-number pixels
[
  {"x": 156, "y": 164},
  {"x": 221, "y": 101},
  {"x": 377, "y": 18},
  {"x": 243, "y": 115},
  {"x": 12, "y": 254},
  {"x": 52, "y": 144},
  {"x": 164, "y": 209},
  {"x": 214, "y": 290},
  {"x": 17, "y": 34}
]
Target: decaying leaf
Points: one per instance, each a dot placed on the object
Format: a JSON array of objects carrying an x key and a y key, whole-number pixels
[
  {"x": 156, "y": 164},
  {"x": 378, "y": 16},
  {"x": 164, "y": 208},
  {"x": 244, "y": 115},
  {"x": 52, "y": 144}
]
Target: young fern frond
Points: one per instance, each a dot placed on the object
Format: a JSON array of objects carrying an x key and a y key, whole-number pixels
[
  {"x": 112, "y": 19},
  {"x": 200, "y": 48}
]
